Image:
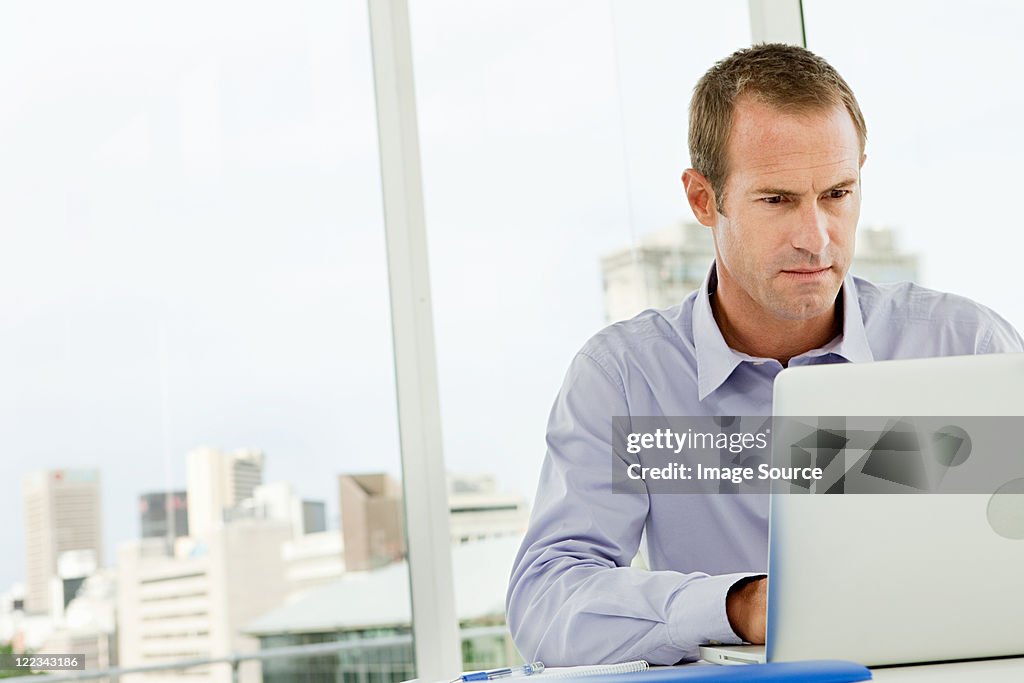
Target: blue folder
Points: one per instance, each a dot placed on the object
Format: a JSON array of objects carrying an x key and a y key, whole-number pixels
[{"x": 818, "y": 671}]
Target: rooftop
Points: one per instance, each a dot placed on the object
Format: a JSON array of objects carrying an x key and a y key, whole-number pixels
[{"x": 380, "y": 597}]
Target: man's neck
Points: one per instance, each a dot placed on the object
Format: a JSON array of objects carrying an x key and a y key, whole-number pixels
[{"x": 756, "y": 334}]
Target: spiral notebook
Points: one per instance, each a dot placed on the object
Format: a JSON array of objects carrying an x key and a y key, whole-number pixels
[{"x": 593, "y": 670}]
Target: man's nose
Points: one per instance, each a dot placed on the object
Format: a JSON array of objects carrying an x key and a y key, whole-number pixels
[{"x": 811, "y": 232}]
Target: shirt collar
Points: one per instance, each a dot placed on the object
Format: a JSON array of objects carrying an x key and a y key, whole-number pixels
[{"x": 716, "y": 361}]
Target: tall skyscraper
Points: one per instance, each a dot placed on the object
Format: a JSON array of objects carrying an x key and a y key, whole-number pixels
[
  {"x": 666, "y": 265},
  {"x": 217, "y": 481},
  {"x": 163, "y": 515},
  {"x": 62, "y": 518}
]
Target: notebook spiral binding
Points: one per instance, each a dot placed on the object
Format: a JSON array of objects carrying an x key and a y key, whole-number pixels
[{"x": 595, "y": 670}]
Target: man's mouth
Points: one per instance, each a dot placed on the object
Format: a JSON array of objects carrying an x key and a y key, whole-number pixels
[{"x": 806, "y": 274}]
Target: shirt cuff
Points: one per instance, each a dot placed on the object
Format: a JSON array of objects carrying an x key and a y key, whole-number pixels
[{"x": 697, "y": 613}]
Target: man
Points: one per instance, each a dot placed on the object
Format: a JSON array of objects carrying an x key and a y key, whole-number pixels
[{"x": 777, "y": 143}]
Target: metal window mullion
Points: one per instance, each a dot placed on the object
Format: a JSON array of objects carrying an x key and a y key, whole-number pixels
[
  {"x": 777, "y": 21},
  {"x": 435, "y": 624}
]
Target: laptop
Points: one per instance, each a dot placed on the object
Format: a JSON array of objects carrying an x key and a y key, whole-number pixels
[{"x": 885, "y": 579}]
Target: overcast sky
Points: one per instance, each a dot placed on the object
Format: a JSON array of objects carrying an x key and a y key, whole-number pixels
[{"x": 193, "y": 245}]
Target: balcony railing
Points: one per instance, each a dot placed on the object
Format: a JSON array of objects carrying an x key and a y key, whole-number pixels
[{"x": 235, "y": 660}]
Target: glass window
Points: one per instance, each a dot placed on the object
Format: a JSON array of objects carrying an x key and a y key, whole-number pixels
[
  {"x": 937, "y": 84},
  {"x": 553, "y": 138},
  {"x": 194, "y": 302}
]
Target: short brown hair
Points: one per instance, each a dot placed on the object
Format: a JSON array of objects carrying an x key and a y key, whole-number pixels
[{"x": 786, "y": 77}]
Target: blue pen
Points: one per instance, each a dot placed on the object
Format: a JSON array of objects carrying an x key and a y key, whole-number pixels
[{"x": 524, "y": 670}]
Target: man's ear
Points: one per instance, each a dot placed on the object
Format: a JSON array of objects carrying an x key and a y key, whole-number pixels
[{"x": 701, "y": 197}]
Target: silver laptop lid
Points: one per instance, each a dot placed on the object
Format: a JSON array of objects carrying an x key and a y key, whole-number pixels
[{"x": 887, "y": 579}]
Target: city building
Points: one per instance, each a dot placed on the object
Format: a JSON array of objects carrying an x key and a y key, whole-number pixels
[
  {"x": 314, "y": 516},
  {"x": 73, "y": 568},
  {"x": 879, "y": 259},
  {"x": 217, "y": 481},
  {"x": 25, "y": 632},
  {"x": 278, "y": 501},
  {"x": 88, "y": 626},
  {"x": 371, "y": 520},
  {"x": 478, "y": 511},
  {"x": 312, "y": 555},
  {"x": 372, "y": 611},
  {"x": 659, "y": 271},
  {"x": 312, "y": 560},
  {"x": 666, "y": 265},
  {"x": 62, "y": 515},
  {"x": 191, "y": 602},
  {"x": 163, "y": 515}
]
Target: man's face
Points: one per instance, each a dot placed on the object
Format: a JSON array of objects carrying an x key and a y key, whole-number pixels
[{"x": 792, "y": 201}]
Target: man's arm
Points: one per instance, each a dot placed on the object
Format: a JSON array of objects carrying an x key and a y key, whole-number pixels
[{"x": 573, "y": 598}]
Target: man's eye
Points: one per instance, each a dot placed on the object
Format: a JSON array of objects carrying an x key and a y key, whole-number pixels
[
  {"x": 774, "y": 199},
  {"x": 838, "y": 194}
]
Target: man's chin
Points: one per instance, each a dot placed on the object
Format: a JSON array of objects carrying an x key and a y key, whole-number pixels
[
  {"x": 804, "y": 300},
  {"x": 804, "y": 307}
]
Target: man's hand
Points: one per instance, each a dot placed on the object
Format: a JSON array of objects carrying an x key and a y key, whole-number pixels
[{"x": 746, "y": 605}]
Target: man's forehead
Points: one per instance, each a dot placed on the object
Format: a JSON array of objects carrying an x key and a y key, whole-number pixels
[
  {"x": 766, "y": 144},
  {"x": 794, "y": 171}
]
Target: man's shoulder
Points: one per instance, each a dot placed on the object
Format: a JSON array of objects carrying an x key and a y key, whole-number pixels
[
  {"x": 912, "y": 301},
  {"x": 913, "y": 307},
  {"x": 647, "y": 335}
]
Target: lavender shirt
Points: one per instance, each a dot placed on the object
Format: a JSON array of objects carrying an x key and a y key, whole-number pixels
[{"x": 573, "y": 597}]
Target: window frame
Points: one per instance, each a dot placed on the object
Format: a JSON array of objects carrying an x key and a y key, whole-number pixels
[{"x": 434, "y": 621}]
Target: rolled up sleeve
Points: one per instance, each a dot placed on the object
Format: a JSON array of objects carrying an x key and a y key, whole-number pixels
[{"x": 573, "y": 598}]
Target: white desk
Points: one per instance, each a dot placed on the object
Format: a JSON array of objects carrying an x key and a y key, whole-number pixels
[
  {"x": 987, "y": 671},
  {"x": 990, "y": 671}
]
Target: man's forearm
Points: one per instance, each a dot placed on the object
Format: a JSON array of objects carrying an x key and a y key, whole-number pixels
[{"x": 573, "y": 611}]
